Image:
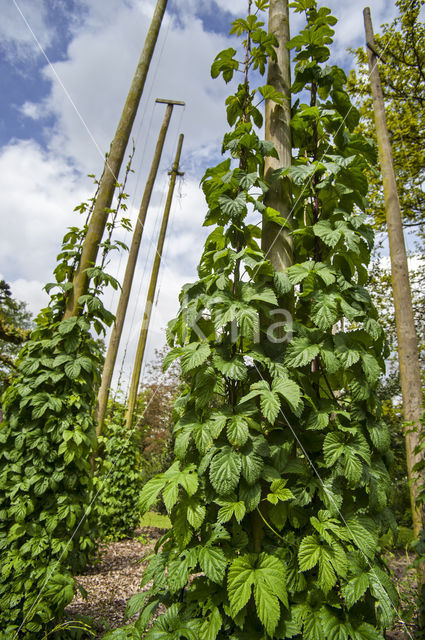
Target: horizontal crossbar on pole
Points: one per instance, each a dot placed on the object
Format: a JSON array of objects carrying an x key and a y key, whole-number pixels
[{"x": 165, "y": 101}]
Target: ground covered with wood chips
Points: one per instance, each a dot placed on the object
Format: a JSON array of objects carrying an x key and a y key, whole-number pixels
[{"x": 112, "y": 581}]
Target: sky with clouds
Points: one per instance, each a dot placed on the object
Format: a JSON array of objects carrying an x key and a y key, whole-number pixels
[{"x": 65, "y": 69}]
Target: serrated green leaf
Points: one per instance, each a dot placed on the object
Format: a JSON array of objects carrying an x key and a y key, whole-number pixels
[
  {"x": 326, "y": 576},
  {"x": 233, "y": 206},
  {"x": 193, "y": 355},
  {"x": 290, "y": 391},
  {"x": 266, "y": 574},
  {"x": 235, "y": 369},
  {"x": 240, "y": 579},
  {"x": 72, "y": 369},
  {"x": 250, "y": 494},
  {"x": 353, "y": 466},
  {"x": 195, "y": 514},
  {"x": 301, "y": 352},
  {"x": 380, "y": 436},
  {"x": 217, "y": 422},
  {"x": 282, "y": 283},
  {"x": 230, "y": 508},
  {"x": 365, "y": 631},
  {"x": 252, "y": 466},
  {"x": 211, "y": 625},
  {"x": 237, "y": 430},
  {"x": 170, "y": 496},
  {"x": 177, "y": 574},
  {"x": 279, "y": 492},
  {"x": 385, "y": 605},
  {"x": 270, "y": 405},
  {"x": 308, "y": 553},
  {"x": 333, "y": 447},
  {"x": 355, "y": 588},
  {"x": 225, "y": 470},
  {"x": 371, "y": 367},
  {"x": 363, "y": 533},
  {"x": 323, "y": 230},
  {"x": 202, "y": 437},
  {"x": 150, "y": 492},
  {"x": 324, "y": 310},
  {"x": 135, "y": 604}
]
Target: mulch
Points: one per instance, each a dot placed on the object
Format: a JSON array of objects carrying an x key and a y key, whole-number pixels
[{"x": 112, "y": 581}]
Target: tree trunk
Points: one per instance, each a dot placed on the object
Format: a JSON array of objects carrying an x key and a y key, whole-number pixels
[
  {"x": 410, "y": 377},
  {"x": 113, "y": 165}
]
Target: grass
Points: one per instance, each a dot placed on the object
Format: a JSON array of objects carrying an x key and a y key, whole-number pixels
[{"x": 152, "y": 519}]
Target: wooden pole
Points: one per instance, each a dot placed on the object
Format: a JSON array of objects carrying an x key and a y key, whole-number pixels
[
  {"x": 410, "y": 377},
  {"x": 276, "y": 240},
  {"x": 114, "y": 342},
  {"x": 113, "y": 163},
  {"x": 132, "y": 397}
]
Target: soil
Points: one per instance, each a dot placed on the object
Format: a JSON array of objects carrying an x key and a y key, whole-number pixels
[{"x": 117, "y": 576}]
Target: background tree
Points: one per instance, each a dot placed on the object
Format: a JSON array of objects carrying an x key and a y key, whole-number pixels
[
  {"x": 15, "y": 325},
  {"x": 389, "y": 390},
  {"x": 402, "y": 71},
  {"x": 158, "y": 394}
]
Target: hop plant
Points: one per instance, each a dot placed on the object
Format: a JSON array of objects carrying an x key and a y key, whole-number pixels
[{"x": 279, "y": 487}]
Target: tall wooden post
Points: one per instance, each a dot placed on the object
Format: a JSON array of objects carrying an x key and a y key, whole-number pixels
[
  {"x": 114, "y": 341},
  {"x": 113, "y": 165},
  {"x": 276, "y": 240},
  {"x": 132, "y": 396},
  {"x": 410, "y": 377}
]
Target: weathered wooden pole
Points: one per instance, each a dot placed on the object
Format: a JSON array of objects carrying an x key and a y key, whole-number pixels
[
  {"x": 408, "y": 355},
  {"x": 114, "y": 341},
  {"x": 276, "y": 240},
  {"x": 132, "y": 396},
  {"x": 113, "y": 163}
]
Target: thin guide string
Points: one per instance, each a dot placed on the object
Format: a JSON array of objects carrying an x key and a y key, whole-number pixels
[
  {"x": 307, "y": 185},
  {"x": 286, "y": 420},
  {"x": 143, "y": 156},
  {"x": 65, "y": 90},
  {"x": 83, "y": 517},
  {"x": 330, "y": 496}
]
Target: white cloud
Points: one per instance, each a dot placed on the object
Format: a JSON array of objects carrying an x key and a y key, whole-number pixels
[
  {"x": 31, "y": 292},
  {"x": 33, "y": 110},
  {"x": 16, "y": 41},
  {"x": 39, "y": 192},
  {"x": 40, "y": 188}
]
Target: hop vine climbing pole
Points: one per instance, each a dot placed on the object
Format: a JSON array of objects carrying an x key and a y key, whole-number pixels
[
  {"x": 407, "y": 339},
  {"x": 137, "y": 367},
  {"x": 276, "y": 240},
  {"x": 290, "y": 436},
  {"x": 113, "y": 164},
  {"x": 114, "y": 341}
]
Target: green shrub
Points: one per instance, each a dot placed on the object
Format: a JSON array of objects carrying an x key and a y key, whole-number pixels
[{"x": 118, "y": 481}]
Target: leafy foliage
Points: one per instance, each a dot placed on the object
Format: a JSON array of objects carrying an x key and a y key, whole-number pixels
[
  {"x": 118, "y": 480},
  {"x": 402, "y": 69},
  {"x": 279, "y": 488},
  {"x": 46, "y": 441},
  {"x": 15, "y": 325},
  {"x": 158, "y": 392}
]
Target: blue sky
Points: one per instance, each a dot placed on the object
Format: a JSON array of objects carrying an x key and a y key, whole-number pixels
[{"x": 47, "y": 150}]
